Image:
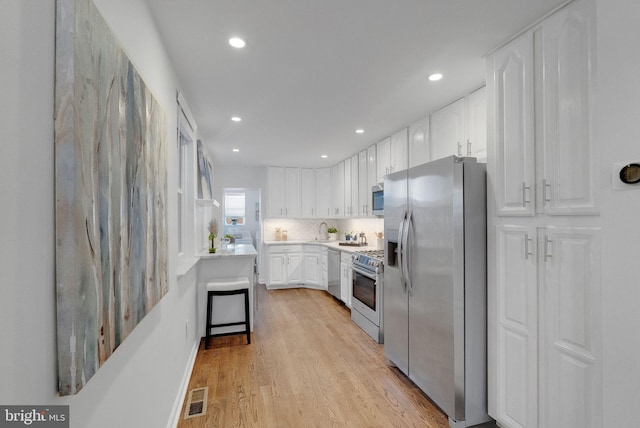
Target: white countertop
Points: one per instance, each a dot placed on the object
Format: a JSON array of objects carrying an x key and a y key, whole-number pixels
[
  {"x": 240, "y": 250},
  {"x": 330, "y": 244}
]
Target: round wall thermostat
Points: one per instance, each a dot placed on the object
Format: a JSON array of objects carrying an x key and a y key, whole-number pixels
[{"x": 630, "y": 173}]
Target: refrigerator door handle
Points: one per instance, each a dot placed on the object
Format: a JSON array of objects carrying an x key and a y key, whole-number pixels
[
  {"x": 400, "y": 250},
  {"x": 406, "y": 254}
]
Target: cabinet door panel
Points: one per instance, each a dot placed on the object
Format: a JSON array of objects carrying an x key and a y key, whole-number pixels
[
  {"x": 312, "y": 269},
  {"x": 275, "y": 191},
  {"x": 516, "y": 291},
  {"x": 476, "y": 125},
  {"x": 277, "y": 273},
  {"x": 363, "y": 185},
  {"x": 567, "y": 49},
  {"x": 308, "y": 193},
  {"x": 512, "y": 158},
  {"x": 383, "y": 158},
  {"x": 447, "y": 131},
  {"x": 419, "y": 142},
  {"x": 294, "y": 268},
  {"x": 571, "y": 337},
  {"x": 323, "y": 192},
  {"x": 337, "y": 186},
  {"x": 293, "y": 189},
  {"x": 399, "y": 150}
]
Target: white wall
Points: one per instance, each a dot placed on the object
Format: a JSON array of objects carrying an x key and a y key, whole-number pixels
[
  {"x": 618, "y": 121},
  {"x": 139, "y": 385}
]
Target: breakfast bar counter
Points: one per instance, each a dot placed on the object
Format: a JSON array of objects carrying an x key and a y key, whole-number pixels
[{"x": 226, "y": 264}]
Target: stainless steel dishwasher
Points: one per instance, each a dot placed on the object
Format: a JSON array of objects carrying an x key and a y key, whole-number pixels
[{"x": 333, "y": 273}]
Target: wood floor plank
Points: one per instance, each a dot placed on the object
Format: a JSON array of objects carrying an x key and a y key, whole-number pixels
[{"x": 308, "y": 365}]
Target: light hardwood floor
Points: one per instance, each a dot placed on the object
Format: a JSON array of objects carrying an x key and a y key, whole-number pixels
[{"x": 308, "y": 365}]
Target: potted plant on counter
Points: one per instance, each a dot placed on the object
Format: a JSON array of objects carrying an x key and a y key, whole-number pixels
[
  {"x": 212, "y": 235},
  {"x": 333, "y": 233}
]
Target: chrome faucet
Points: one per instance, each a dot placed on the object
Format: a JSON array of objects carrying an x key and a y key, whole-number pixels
[{"x": 325, "y": 234}]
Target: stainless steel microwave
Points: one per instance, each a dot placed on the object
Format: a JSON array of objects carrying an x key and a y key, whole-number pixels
[{"x": 377, "y": 199}]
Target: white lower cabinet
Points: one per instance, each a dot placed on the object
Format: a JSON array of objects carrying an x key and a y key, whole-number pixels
[
  {"x": 297, "y": 265},
  {"x": 285, "y": 265},
  {"x": 312, "y": 266},
  {"x": 546, "y": 329},
  {"x": 570, "y": 328}
]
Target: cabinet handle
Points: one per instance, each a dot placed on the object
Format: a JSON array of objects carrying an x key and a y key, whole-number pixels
[
  {"x": 459, "y": 149},
  {"x": 548, "y": 246},
  {"x": 280, "y": 211},
  {"x": 468, "y": 147},
  {"x": 527, "y": 248},
  {"x": 525, "y": 190},
  {"x": 546, "y": 196}
]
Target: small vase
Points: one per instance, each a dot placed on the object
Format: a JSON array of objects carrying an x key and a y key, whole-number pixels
[{"x": 212, "y": 248}]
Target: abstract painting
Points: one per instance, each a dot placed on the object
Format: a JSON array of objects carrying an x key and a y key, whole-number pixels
[
  {"x": 111, "y": 194},
  {"x": 205, "y": 173}
]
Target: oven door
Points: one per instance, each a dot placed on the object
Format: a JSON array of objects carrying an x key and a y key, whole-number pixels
[{"x": 365, "y": 294}]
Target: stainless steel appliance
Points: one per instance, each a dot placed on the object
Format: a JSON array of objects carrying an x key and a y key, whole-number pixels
[
  {"x": 435, "y": 283},
  {"x": 366, "y": 297},
  {"x": 333, "y": 273},
  {"x": 377, "y": 200}
]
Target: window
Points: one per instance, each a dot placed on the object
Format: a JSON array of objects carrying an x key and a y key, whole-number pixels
[
  {"x": 234, "y": 208},
  {"x": 182, "y": 144},
  {"x": 185, "y": 181}
]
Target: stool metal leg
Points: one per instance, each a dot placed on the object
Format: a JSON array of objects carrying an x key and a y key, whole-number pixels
[
  {"x": 208, "y": 326},
  {"x": 246, "y": 316}
]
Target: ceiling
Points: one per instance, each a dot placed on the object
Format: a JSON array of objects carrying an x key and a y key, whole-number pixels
[{"x": 314, "y": 71}]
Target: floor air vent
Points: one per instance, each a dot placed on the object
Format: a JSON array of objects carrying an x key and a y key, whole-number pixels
[{"x": 197, "y": 403}]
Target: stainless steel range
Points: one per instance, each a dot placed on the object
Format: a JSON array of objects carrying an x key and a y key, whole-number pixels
[{"x": 366, "y": 299}]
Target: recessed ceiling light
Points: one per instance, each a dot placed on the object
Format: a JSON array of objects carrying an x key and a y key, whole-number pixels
[
  {"x": 324, "y": 156},
  {"x": 236, "y": 119},
  {"x": 435, "y": 77},
  {"x": 236, "y": 150},
  {"x": 359, "y": 131},
  {"x": 237, "y": 42}
]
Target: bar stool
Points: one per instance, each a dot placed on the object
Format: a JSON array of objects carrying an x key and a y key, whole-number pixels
[{"x": 228, "y": 287}]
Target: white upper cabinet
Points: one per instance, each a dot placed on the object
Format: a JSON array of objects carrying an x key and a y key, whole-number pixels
[
  {"x": 447, "y": 130},
  {"x": 324, "y": 193},
  {"x": 460, "y": 128},
  {"x": 337, "y": 187},
  {"x": 383, "y": 159},
  {"x": 399, "y": 150},
  {"x": 275, "y": 192},
  {"x": 363, "y": 184},
  {"x": 283, "y": 192},
  {"x": 419, "y": 151},
  {"x": 510, "y": 77},
  {"x": 308, "y": 193},
  {"x": 476, "y": 125},
  {"x": 293, "y": 190},
  {"x": 347, "y": 187},
  {"x": 355, "y": 189},
  {"x": 555, "y": 173},
  {"x": 566, "y": 180}
]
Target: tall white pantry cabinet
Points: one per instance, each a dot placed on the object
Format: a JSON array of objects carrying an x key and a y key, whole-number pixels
[{"x": 545, "y": 345}]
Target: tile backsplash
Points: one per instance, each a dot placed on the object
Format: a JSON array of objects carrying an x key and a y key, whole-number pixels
[{"x": 308, "y": 229}]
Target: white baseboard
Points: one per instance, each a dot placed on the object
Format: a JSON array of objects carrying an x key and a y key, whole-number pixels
[{"x": 176, "y": 412}]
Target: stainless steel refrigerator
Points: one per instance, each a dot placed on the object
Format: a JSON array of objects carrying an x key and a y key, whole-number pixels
[{"x": 435, "y": 283}]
